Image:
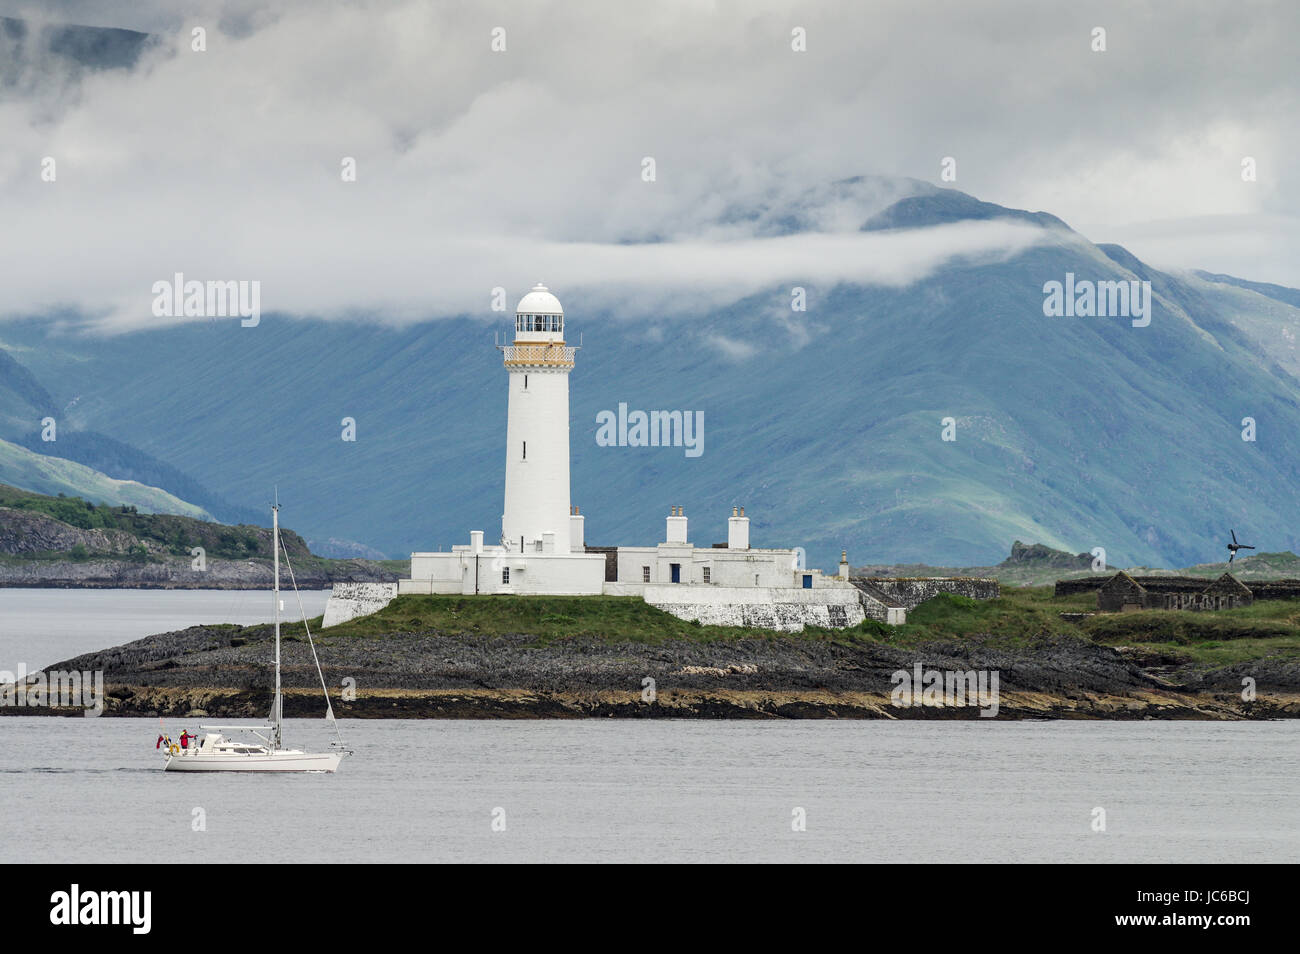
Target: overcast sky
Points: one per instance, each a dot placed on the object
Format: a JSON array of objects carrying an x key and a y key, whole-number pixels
[{"x": 479, "y": 168}]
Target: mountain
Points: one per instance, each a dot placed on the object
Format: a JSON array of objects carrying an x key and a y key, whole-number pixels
[
  {"x": 54, "y": 475},
  {"x": 109, "y": 465},
  {"x": 32, "y": 55},
  {"x": 1288, "y": 296},
  {"x": 124, "y": 462},
  {"x": 1074, "y": 432}
]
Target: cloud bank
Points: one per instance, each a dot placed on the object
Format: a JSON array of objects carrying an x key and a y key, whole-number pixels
[{"x": 478, "y": 169}]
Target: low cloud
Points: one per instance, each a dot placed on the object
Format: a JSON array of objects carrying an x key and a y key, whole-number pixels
[{"x": 478, "y": 169}]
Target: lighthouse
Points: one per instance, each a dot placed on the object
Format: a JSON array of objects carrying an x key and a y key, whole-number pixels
[
  {"x": 537, "y": 514},
  {"x": 543, "y": 549}
]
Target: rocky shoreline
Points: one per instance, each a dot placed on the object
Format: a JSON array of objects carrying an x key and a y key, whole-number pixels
[
  {"x": 39, "y": 551},
  {"x": 224, "y": 672},
  {"x": 177, "y": 573}
]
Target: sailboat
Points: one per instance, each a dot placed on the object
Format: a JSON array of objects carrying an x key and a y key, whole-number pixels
[{"x": 213, "y": 752}]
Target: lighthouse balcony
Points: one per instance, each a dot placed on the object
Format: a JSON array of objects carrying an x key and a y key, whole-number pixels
[{"x": 541, "y": 355}]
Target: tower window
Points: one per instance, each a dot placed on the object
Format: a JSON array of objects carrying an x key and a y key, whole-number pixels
[
  {"x": 645, "y": 574},
  {"x": 706, "y": 575},
  {"x": 505, "y": 575},
  {"x": 525, "y": 382},
  {"x": 525, "y": 450}
]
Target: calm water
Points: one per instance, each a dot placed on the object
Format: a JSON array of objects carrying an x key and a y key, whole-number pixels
[
  {"x": 42, "y": 626},
  {"x": 606, "y": 790},
  {"x": 74, "y": 789}
]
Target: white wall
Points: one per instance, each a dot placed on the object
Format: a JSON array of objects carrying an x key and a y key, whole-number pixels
[
  {"x": 787, "y": 608},
  {"x": 456, "y": 571},
  {"x": 349, "y": 600},
  {"x": 726, "y": 567},
  {"x": 537, "y": 486}
]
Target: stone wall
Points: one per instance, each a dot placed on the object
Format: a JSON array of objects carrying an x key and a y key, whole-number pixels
[
  {"x": 1082, "y": 584},
  {"x": 349, "y": 600},
  {"x": 1180, "y": 592},
  {"x": 1274, "y": 589},
  {"x": 879, "y": 605},
  {"x": 1167, "y": 584},
  {"x": 787, "y": 609},
  {"x": 910, "y": 592}
]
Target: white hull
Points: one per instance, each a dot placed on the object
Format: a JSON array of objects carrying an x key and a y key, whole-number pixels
[
  {"x": 215, "y": 753},
  {"x": 272, "y": 762}
]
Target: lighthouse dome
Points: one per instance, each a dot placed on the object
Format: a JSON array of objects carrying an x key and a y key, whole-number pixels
[{"x": 539, "y": 301}]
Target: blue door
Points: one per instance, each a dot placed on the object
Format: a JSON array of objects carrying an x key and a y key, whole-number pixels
[
  {"x": 807, "y": 581},
  {"x": 677, "y": 572}
]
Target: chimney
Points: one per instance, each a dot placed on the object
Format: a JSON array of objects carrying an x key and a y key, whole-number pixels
[
  {"x": 738, "y": 530},
  {"x": 577, "y": 536},
  {"x": 676, "y": 532},
  {"x": 476, "y": 541},
  {"x": 844, "y": 564}
]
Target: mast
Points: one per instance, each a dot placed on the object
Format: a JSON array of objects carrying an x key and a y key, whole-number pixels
[{"x": 275, "y": 543}]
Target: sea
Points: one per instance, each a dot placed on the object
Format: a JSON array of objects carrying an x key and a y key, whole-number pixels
[
  {"x": 981, "y": 791},
  {"x": 43, "y": 626}
]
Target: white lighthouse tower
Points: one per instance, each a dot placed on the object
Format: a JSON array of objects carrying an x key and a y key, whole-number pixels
[
  {"x": 543, "y": 551},
  {"x": 537, "y": 512}
]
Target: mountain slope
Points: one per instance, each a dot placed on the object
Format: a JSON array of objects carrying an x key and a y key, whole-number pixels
[
  {"x": 54, "y": 475},
  {"x": 25, "y": 404},
  {"x": 826, "y": 425}
]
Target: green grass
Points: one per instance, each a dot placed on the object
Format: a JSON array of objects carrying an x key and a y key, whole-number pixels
[
  {"x": 1013, "y": 620},
  {"x": 550, "y": 618},
  {"x": 1016, "y": 620},
  {"x": 70, "y": 480},
  {"x": 1215, "y": 655},
  {"x": 1267, "y": 619}
]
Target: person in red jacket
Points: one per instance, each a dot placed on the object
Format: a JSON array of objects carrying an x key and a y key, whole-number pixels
[{"x": 185, "y": 738}]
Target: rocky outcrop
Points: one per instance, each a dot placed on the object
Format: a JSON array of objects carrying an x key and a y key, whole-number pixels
[
  {"x": 169, "y": 572},
  {"x": 28, "y": 532},
  {"x": 152, "y": 551},
  {"x": 1040, "y": 555},
  {"x": 225, "y": 671},
  {"x": 722, "y": 702}
]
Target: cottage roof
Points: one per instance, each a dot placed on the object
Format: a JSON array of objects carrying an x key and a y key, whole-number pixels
[{"x": 1228, "y": 585}]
